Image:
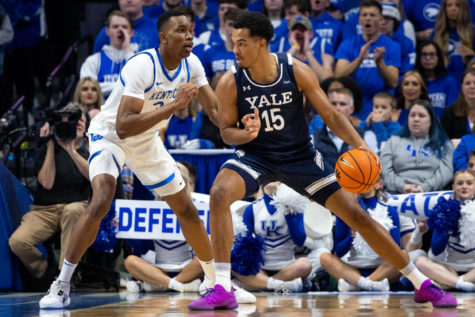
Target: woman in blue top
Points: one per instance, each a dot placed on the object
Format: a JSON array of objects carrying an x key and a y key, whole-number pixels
[
  {"x": 459, "y": 118},
  {"x": 454, "y": 34},
  {"x": 441, "y": 87},
  {"x": 362, "y": 265},
  {"x": 411, "y": 88}
]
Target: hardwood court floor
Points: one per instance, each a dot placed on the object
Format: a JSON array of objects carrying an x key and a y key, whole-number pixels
[{"x": 268, "y": 305}]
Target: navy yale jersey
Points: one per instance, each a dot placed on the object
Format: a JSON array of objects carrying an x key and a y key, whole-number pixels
[{"x": 283, "y": 135}]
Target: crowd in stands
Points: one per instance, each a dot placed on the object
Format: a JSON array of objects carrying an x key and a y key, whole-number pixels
[{"x": 403, "y": 75}]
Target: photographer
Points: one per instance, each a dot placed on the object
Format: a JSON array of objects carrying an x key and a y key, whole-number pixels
[{"x": 62, "y": 192}]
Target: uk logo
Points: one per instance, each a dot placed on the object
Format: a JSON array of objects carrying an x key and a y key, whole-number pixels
[{"x": 430, "y": 11}]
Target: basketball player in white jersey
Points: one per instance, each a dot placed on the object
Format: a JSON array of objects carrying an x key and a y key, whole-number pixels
[{"x": 152, "y": 85}]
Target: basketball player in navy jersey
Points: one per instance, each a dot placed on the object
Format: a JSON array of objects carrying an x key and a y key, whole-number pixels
[{"x": 261, "y": 111}]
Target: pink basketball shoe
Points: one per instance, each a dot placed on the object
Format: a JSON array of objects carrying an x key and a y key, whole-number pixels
[
  {"x": 432, "y": 293},
  {"x": 218, "y": 298}
]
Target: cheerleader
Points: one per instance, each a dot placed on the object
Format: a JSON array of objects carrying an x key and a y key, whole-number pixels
[
  {"x": 451, "y": 259},
  {"x": 354, "y": 264}
]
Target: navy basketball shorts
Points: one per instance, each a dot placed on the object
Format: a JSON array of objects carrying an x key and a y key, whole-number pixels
[{"x": 311, "y": 177}]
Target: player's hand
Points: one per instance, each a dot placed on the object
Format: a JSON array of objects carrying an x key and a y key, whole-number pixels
[
  {"x": 185, "y": 94},
  {"x": 252, "y": 123},
  {"x": 367, "y": 148}
]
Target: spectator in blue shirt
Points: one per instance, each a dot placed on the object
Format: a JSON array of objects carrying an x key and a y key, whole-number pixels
[
  {"x": 412, "y": 88},
  {"x": 442, "y": 88},
  {"x": 292, "y": 8},
  {"x": 405, "y": 28},
  {"x": 206, "y": 17},
  {"x": 324, "y": 24},
  {"x": 274, "y": 10},
  {"x": 145, "y": 34},
  {"x": 422, "y": 14},
  {"x": 217, "y": 37},
  {"x": 220, "y": 58},
  {"x": 156, "y": 9},
  {"x": 454, "y": 35},
  {"x": 379, "y": 120},
  {"x": 389, "y": 25},
  {"x": 308, "y": 47},
  {"x": 372, "y": 59}
]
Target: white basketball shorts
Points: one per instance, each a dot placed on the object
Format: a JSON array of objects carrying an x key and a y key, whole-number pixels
[{"x": 146, "y": 156}]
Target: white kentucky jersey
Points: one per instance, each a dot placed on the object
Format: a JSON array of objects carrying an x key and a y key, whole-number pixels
[
  {"x": 172, "y": 256},
  {"x": 145, "y": 77},
  {"x": 458, "y": 256},
  {"x": 279, "y": 247}
]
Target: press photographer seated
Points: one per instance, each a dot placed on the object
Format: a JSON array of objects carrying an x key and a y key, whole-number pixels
[{"x": 61, "y": 195}]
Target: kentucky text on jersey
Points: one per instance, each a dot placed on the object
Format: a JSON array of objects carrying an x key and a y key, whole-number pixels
[{"x": 163, "y": 95}]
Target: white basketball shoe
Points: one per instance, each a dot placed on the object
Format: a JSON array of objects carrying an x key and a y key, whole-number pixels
[{"x": 57, "y": 296}]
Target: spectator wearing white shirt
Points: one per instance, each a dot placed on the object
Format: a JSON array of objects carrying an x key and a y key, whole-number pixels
[{"x": 105, "y": 66}]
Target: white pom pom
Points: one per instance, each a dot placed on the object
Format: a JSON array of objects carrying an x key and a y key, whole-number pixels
[
  {"x": 467, "y": 225},
  {"x": 380, "y": 214},
  {"x": 288, "y": 200},
  {"x": 238, "y": 224}
]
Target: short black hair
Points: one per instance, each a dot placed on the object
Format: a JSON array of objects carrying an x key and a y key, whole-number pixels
[
  {"x": 241, "y": 4},
  {"x": 187, "y": 11},
  {"x": 371, "y": 3},
  {"x": 166, "y": 16},
  {"x": 257, "y": 23}
]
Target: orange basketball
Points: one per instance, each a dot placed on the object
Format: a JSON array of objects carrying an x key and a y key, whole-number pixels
[{"x": 357, "y": 171}]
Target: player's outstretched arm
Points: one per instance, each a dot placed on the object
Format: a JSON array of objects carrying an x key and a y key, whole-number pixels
[
  {"x": 209, "y": 102},
  {"x": 228, "y": 114},
  {"x": 339, "y": 124},
  {"x": 130, "y": 121}
]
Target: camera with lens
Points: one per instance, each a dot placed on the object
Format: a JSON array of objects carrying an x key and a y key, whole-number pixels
[{"x": 63, "y": 124}]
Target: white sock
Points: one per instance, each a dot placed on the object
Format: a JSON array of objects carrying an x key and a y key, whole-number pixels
[
  {"x": 209, "y": 269},
  {"x": 175, "y": 285},
  {"x": 464, "y": 285},
  {"x": 67, "y": 271},
  {"x": 223, "y": 275},
  {"x": 414, "y": 275},
  {"x": 273, "y": 283},
  {"x": 364, "y": 283}
]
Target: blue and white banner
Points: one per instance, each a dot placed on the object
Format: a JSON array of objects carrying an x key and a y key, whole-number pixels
[
  {"x": 152, "y": 219},
  {"x": 417, "y": 205}
]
